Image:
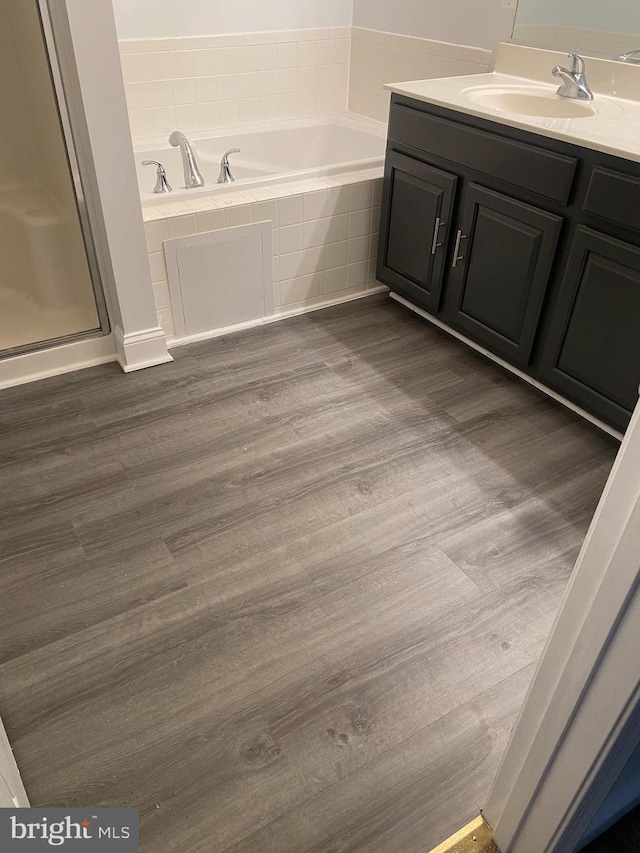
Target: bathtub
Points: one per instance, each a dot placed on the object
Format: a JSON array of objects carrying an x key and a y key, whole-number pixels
[
  {"x": 318, "y": 181},
  {"x": 271, "y": 153}
]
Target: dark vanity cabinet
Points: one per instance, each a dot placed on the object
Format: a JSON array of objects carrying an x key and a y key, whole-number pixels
[
  {"x": 528, "y": 246},
  {"x": 418, "y": 222},
  {"x": 500, "y": 267},
  {"x": 592, "y": 352}
]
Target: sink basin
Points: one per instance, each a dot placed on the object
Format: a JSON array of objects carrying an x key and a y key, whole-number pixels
[{"x": 531, "y": 103}]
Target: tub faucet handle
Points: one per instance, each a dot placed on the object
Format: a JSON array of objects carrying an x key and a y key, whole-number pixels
[
  {"x": 225, "y": 176},
  {"x": 162, "y": 185}
]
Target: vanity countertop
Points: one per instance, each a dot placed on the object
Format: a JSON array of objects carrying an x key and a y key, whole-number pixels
[{"x": 610, "y": 123}]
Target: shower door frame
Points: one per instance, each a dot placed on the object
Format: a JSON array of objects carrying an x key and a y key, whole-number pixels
[
  {"x": 12, "y": 792},
  {"x": 66, "y": 128}
]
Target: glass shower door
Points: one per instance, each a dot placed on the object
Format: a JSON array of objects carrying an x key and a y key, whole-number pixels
[{"x": 49, "y": 288}]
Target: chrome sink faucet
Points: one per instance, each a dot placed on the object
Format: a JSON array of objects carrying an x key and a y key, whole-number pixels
[
  {"x": 192, "y": 176},
  {"x": 574, "y": 82},
  {"x": 225, "y": 176}
]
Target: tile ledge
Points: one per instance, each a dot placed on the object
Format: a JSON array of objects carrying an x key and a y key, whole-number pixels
[{"x": 151, "y": 213}]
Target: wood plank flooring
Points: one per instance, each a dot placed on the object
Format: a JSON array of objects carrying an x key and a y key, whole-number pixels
[{"x": 285, "y": 594}]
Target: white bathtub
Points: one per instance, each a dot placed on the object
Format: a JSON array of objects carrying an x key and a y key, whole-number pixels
[{"x": 271, "y": 153}]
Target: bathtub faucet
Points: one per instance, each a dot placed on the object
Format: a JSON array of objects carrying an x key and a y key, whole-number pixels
[
  {"x": 225, "y": 176},
  {"x": 192, "y": 176}
]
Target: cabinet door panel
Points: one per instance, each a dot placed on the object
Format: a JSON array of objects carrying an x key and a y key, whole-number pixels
[
  {"x": 592, "y": 353},
  {"x": 497, "y": 288},
  {"x": 416, "y": 222}
]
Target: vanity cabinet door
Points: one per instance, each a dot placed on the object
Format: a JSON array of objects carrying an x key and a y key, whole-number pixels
[
  {"x": 415, "y": 226},
  {"x": 592, "y": 352},
  {"x": 503, "y": 253}
]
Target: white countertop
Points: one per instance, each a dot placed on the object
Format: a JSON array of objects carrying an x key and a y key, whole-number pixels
[{"x": 611, "y": 123}]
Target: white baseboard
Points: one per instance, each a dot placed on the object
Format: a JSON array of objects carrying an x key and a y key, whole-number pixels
[
  {"x": 138, "y": 350},
  {"x": 273, "y": 318},
  {"x": 135, "y": 351},
  {"x": 595, "y": 421},
  {"x": 29, "y": 367}
]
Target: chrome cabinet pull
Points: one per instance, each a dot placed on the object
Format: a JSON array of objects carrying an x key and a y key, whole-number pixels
[
  {"x": 436, "y": 233},
  {"x": 456, "y": 257}
]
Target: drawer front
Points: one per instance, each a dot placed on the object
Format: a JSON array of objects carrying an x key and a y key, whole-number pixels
[
  {"x": 535, "y": 170},
  {"x": 614, "y": 197}
]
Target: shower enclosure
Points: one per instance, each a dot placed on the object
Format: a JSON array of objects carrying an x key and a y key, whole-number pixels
[{"x": 50, "y": 288}]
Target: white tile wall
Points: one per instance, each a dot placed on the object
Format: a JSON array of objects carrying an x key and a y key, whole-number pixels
[
  {"x": 378, "y": 58},
  {"x": 210, "y": 81},
  {"x": 201, "y": 82},
  {"x": 324, "y": 242}
]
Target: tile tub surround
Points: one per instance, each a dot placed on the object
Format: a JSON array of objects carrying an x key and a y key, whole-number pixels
[
  {"x": 378, "y": 58},
  {"x": 202, "y": 82},
  {"x": 324, "y": 248},
  {"x": 325, "y": 238}
]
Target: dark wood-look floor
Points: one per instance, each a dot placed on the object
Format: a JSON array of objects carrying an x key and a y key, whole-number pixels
[{"x": 285, "y": 594}]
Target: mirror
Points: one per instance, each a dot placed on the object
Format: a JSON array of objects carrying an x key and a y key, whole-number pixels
[{"x": 590, "y": 27}]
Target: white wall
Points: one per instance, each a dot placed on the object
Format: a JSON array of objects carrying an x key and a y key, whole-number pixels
[
  {"x": 621, "y": 16},
  {"x": 483, "y": 23},
  {"x": 165, "y": 18},
  {"x": 614, "y": 16},
  {"x": 544, "y": 12},
  {"x": 90, "y": 60}
]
